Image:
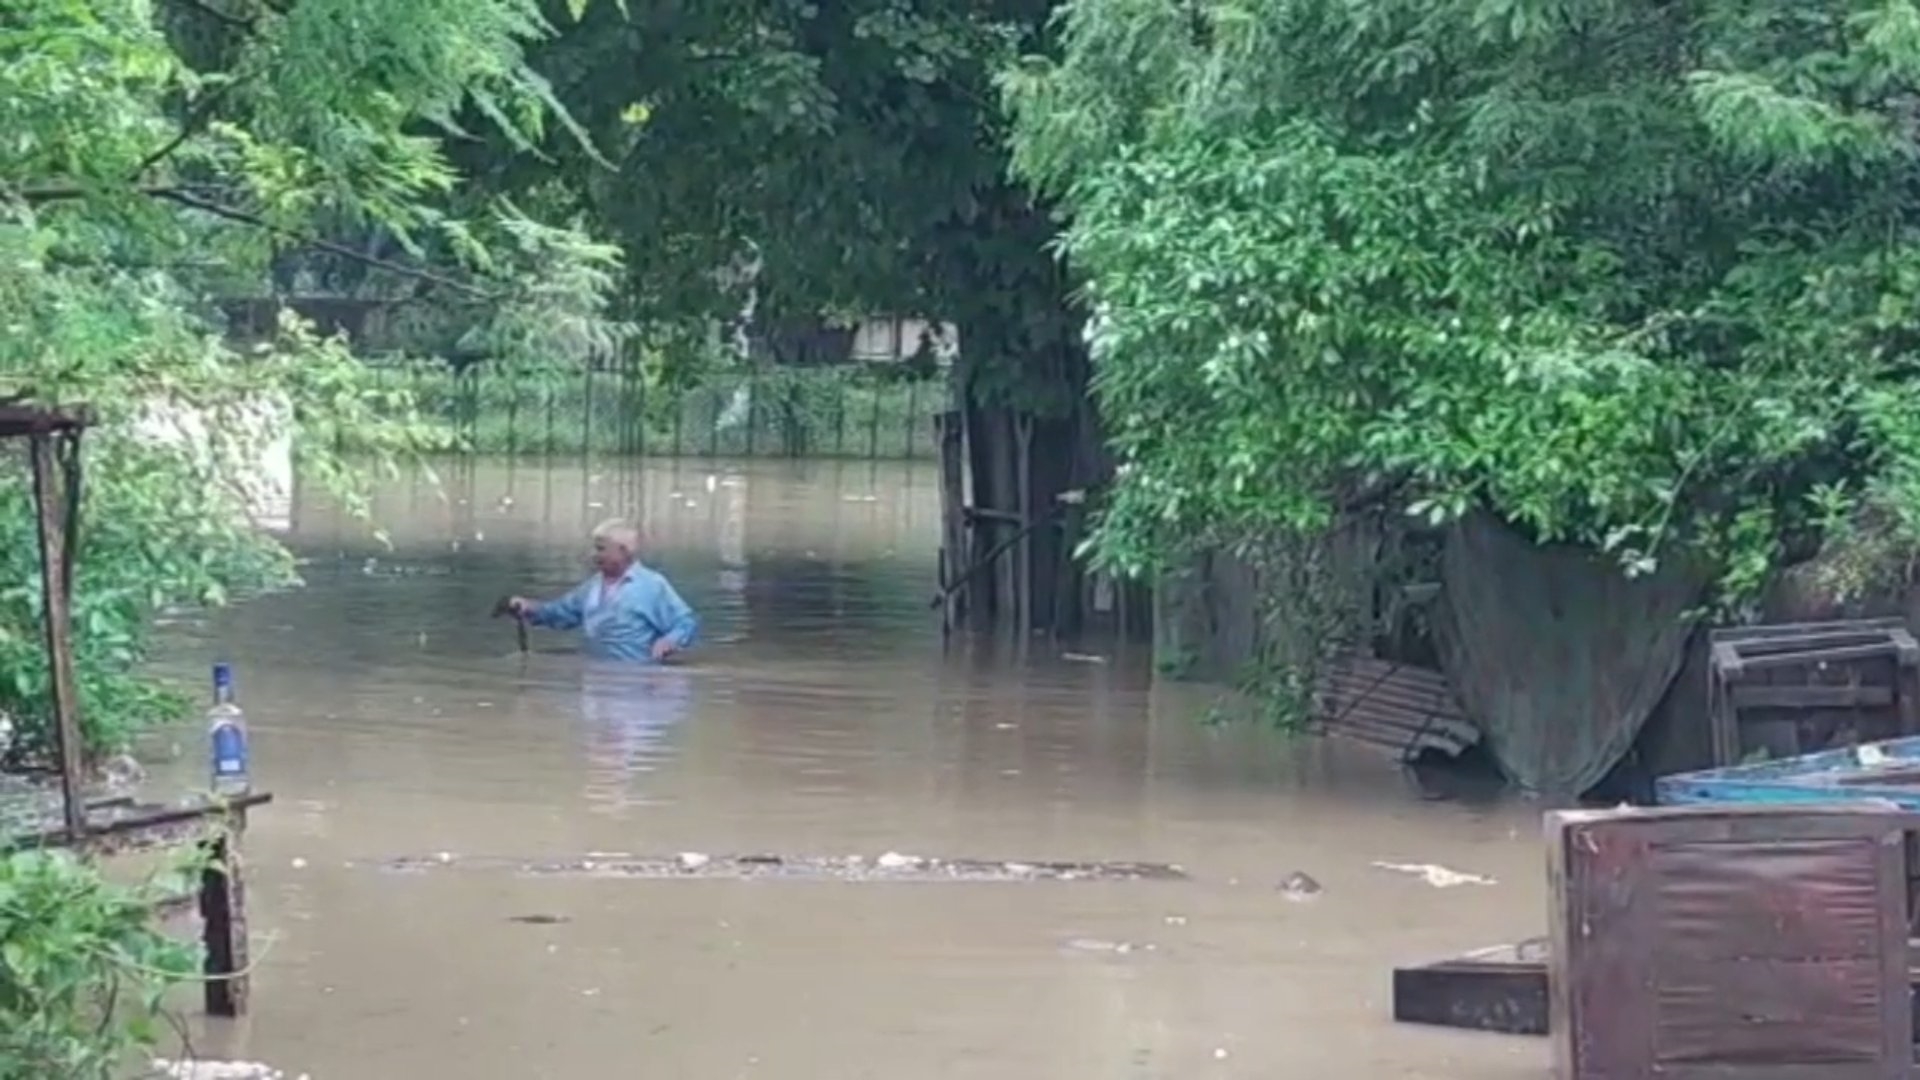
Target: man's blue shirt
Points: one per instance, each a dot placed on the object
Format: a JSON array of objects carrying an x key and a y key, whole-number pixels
[{"x": 642, "y": 609}]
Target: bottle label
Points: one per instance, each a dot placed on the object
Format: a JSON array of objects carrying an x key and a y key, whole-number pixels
[{"x": 229, "y": 751}]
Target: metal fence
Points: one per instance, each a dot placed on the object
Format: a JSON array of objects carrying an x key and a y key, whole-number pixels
[{"x": 838, "y": 412}]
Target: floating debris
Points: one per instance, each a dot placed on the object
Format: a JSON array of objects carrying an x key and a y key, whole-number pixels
[
  {"x": 218, "y": 1070},
  {"x": 121, "y": 771},
  {"x": 538, "y": 919},
  {"x": 1097, "y": 945},
  {"x": 892, "y": 866},
  {"x": 1437, "y": 876},
  {"x": 373, "y": 567},
  {"x": 1082, "y": 658},
  {"x": 1300, "y": 886}
]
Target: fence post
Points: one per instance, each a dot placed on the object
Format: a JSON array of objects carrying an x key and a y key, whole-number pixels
[
  {"x": 586, "y": 428},
  {"x": 513, "y": 415},
  {"x": 471, "y": 396},
  {"x": 913, "y": 418},
  {"x": 840, "y": 419},
  {"x": 679, "y": 415},
  {"x": 753, "y": 407},
  {"x": 630, "y": 385},
  {"x": 640, "y": 417}
]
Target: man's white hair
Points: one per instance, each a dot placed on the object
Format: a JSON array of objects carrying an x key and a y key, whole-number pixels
[{"x": 619, "y": 532}]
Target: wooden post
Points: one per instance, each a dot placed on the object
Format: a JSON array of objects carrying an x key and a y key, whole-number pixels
[
  {"x": 50, "y": 497},
  {"x": 223, "y": 915},
  {"x": 1723, "y": 721},
  {"x": 953, "y": 516},
  {"x": 1066, "y": 599}
]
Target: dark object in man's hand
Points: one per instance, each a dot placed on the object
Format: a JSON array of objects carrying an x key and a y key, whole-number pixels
[{"x": 504, "y": 606}]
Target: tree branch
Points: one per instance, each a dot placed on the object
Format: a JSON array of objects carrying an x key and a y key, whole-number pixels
[
  {"x": 191, "y": 125},
  {"x": 230, "y": 213},
  {"x": 185, "y": 196},
  {"x": 68, "y": 193}
]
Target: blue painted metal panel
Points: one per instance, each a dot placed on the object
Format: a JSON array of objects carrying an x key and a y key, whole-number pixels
[{"x": 1885, "y": 771}]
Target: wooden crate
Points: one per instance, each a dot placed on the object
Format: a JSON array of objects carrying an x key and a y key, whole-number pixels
[
  {"x": 1795, "y": 689},
  {"x": 1503, "y": 989},
  {"x": 1731, "y": 943}
]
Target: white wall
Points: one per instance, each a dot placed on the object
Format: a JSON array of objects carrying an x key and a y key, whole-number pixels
[
  {"x": 264, "y": 476},
  {"x": 895, "y": 339}
]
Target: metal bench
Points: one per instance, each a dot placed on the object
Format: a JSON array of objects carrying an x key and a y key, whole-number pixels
[{"x": 1408, "y": 710}]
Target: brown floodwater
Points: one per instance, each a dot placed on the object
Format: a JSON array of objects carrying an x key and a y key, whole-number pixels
[{"x": 393, "y": 720}]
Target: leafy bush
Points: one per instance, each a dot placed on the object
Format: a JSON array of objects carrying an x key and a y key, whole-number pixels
[{"x": 82, "y": 969}]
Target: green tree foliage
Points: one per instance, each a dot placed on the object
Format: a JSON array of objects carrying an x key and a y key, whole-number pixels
[
  {"x": 82, "y": 970},
  {"x": 1634, "y": 275},
  {"x": 853, "y": 153},
  {"x": 159, "y": 157}
]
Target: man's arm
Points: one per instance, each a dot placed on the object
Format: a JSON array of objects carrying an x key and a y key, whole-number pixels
[
  {"x": 563, "y": 613},
  {"x": 671, "y": 617}
]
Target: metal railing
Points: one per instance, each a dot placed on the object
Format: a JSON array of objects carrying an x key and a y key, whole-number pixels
[{"x": 870, "y": 413}]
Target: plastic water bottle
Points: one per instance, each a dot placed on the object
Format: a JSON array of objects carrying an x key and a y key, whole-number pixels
[{"x": 227, "y": 731}]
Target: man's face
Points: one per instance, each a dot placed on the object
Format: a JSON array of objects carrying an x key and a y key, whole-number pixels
[{"x": 610, "y": 558}]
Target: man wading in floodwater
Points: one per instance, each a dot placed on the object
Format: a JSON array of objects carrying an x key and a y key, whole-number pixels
[{"x": 627, "y": 611}]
